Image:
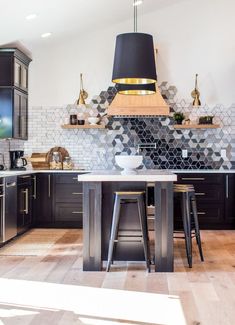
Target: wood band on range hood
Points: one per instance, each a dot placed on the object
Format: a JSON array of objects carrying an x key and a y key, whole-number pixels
[{"x": 139, "y": 105}]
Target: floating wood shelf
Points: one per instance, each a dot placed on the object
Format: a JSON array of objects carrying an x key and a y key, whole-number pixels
[
  {"x": 85, "y": 126},
  {"x": 196, "y": 126}
]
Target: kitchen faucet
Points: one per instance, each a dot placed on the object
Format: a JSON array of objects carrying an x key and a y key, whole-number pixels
[{"x": 141, "y": 146}]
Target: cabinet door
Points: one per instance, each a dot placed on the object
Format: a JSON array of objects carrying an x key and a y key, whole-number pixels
[
  {"x": 21, "y": 209},
  {"x": 10, "y": 208},
  {"x": 20, "y": 115},
  {"x": 44, "y": 199},
  {"x": 24, "y": 117},
  {"x": 16, "y": 118},
  {"x": 20, "y": 75},
  {"x": 230, "y": 199}
]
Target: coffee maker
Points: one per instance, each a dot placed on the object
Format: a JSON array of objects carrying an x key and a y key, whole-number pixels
[{"x": 17, "y": 160}]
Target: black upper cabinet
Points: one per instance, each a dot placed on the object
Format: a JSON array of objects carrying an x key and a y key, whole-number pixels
[
  {"x": 14, "y": 69},
  {"x": 13, "y": 94}
]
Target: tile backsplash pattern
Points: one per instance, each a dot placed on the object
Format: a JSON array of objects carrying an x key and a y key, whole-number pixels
[{"x": 96, "y": 148}]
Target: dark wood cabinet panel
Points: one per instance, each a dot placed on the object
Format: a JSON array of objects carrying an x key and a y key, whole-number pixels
[
  {"x": 14, "y": 81},
  {"x": 20, "y": 125},
  {"x": 70, "y": 214},
  {"x": 68, "y": 193},
  {"x": 24, "y": 203},
  {"x": 230, "y": 199},
  {"x": 70, "y": 178},
  {"x": 44, "y": 199},
  {"x": 200, "y": 178},
  {"x": 10, "y": 207}
]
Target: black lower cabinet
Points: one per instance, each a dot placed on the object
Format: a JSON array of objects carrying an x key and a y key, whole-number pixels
[
  {"x": 215, "y": 195},
  {"x": 10, "y": 225},
  {"x": 59, "y": 201},
  {"x": 24, "y": 203},
  {"x": 43, "y": 202},
  {"x": 230, "y": 200}
]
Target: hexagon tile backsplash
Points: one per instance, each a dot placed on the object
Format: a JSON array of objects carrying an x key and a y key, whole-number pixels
[{"x": 95, "y": 149}]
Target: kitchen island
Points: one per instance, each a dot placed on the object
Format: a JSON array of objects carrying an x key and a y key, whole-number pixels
[{"x": 98, "y": 193}]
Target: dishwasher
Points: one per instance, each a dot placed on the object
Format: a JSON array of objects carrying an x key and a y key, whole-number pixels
[{"x": 8, "y": 208}]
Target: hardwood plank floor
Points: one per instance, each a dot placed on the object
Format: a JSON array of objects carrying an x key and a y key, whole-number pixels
[{"x": 47, "y": 284}]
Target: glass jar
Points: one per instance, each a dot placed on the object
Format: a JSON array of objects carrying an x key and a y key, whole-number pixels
[
  {"x": 67, "y": 163},
  {"x": 56, "y": 160},
  {"x": 73, "y": 119}
]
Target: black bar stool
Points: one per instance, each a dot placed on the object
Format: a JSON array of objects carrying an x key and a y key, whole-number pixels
[
  {"x": 190, "y": 218},
  {"x": 123, "y": 198}
]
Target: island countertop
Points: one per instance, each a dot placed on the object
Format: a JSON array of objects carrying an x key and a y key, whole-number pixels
[{"x": 149, "y": 175}]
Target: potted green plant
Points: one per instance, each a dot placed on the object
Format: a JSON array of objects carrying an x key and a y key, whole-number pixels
[{"x": 178, "y": 117}]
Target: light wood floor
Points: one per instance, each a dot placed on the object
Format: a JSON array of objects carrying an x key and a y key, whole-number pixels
[{"x": 47, "y": 285}]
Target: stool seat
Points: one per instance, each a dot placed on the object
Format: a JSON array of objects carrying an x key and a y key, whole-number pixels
[
  {"x": 190, "y": 218},
  {"x": 122, "y": 197},
  {"x": 129, "y": 193}
]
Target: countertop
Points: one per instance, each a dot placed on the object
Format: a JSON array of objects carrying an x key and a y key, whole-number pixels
[
  {"x": 150, "y": 175},
  {"x": 80, "y": 171}
]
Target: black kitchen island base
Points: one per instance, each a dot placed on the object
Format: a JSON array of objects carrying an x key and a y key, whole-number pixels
[{"x": 98, "y": 207}]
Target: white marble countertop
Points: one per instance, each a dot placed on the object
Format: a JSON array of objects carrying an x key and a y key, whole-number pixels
[
  {"x": 7, "y": 173},
  {"x": 150, "y": 175}
]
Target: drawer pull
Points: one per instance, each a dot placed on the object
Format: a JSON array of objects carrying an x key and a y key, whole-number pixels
[
  {"x": 2, "y": 195},
  {"x": 10, "y": 184},
  {"x": 193, "y": 178},
  {"x": 75, "y": 178},
  {"x": 201, "y": 213},
  {"x": 151, "y": 218},
  {"x": 77, "y": 193},
  {"x": 200, "y": 194},
  {"x": 76, "y": 212},
  {"x": 27, "y": 176}
]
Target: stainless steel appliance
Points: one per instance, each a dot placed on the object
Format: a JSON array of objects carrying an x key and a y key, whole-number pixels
[
  {"x": 8, "y": 208},
  {"x": 17, "y": 160}
]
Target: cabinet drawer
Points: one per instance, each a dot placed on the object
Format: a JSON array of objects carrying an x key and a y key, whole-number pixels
[
  {"x": 68, "y": 193},
  {"x": 24, "y": 180},
  {"x": 68, "y": 212},
  {"x": 200, "y": 178},
  {"x": 210, "y": 213},
  {"x": 207, "y": 192},
  {"x": 67, "y": 179}
]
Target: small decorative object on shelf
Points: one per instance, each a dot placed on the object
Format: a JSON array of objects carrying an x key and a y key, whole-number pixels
[
  {"x": 178, "y": 117},
  {"x": 73, "y": 119},
  {"x": 93, "y": 120},
  {"x": 67, "y": 163},
  {"x": 56, "y": 160},
  {"x": 187, "y": 121},
  {"x": 196, "y": 94},
  {"x": 81, "y": 122},
  {"x": 206, "y": 119}
]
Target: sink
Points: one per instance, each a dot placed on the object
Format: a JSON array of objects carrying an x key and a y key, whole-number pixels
[{"x": 129, "y": 163}]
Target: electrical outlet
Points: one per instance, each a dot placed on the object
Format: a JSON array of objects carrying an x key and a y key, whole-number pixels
[
  {"x": 223, "y": 153},
  {"x": 184, "y": 153}
]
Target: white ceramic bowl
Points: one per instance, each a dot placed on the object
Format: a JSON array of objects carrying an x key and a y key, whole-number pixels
[
  {"x": 93, "y": 120},
  {"x": 129, "y": 163}
]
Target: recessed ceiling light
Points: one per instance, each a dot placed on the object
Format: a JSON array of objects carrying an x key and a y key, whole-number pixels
[
  {"x": 31, "y": 17},
  {"x": 137, "y": 2},
  {"x": 45, "y": 35}
]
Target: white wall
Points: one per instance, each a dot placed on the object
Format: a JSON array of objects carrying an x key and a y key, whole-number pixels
[{"x": 194, "y": 36}]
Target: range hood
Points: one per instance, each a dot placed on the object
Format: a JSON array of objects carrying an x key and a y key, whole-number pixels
[{"x": 128, "y": 105}]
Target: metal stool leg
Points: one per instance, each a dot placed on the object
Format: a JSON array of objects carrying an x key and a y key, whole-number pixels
[
  {"x": 187, "y": 228},
  {"x": 197, "y": 230},
  {"x": 143, "y": 225},
  {"x": 114, "y": 229}
]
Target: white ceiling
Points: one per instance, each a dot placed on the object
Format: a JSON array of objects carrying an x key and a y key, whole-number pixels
[{"x": 65, "y": 17}]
